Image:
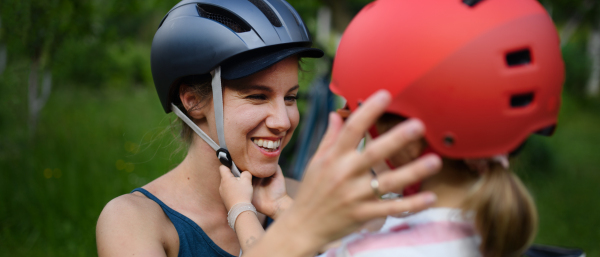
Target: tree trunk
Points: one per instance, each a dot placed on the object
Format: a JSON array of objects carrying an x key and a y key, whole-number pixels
[
  {"x": 323, "y": 26},
  {"x": 2, "y": 54},
  {"x": 593, "y": 84},
  {"x": 340, "y": 13},
  {"x": 569, "y": 29},
  {"x": 37, "y": 101}
]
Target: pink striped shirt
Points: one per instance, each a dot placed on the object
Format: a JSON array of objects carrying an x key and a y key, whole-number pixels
[{"x": 433, "y": 232}]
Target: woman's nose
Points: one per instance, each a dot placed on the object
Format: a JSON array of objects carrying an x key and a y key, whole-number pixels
[{"x": 278, "y": 118}]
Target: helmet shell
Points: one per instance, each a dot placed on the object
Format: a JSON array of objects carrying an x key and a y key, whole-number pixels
[
  {"x": 186, "y": 43},
  {"x": 482, "y": 78}
]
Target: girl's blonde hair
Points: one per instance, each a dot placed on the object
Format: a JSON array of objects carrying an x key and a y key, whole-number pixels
[{"x": 505, "y": 213}]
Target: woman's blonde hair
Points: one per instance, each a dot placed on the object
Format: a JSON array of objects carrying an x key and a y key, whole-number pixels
[
  {"x": 505, "y": 213},
  {"x": 201, "y": 86}
]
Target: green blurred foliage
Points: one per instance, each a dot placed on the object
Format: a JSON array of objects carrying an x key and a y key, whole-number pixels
[
  {"x": 55, "y": 184},
  {"x": 104, "y": 133},
  {"x": 563, "y": 10},
  {"x": 88, "y": 43},
  {"x": 34, "y": 28},
  {"x": 578, "y": 68}
]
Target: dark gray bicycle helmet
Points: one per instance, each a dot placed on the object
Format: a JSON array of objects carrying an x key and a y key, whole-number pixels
[{"x": 229, "y": 39}]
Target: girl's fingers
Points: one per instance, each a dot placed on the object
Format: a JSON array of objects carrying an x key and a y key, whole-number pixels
[
  {"x": 361, "y": 120},
  {"x": 378, "y": 209},
  {"x": 225, "y": 172},
  {"x": 390, "y": 143},
  {"x": 410, "y": 173},
  {"x": 245, "y": 175}
]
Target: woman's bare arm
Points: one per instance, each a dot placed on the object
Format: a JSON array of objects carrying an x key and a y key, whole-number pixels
[{"x": 125, "y": 228}]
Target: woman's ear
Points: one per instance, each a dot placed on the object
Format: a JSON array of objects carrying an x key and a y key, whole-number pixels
[{"x": 191, "y": 102}]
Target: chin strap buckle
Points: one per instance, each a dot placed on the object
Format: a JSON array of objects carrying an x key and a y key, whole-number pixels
[{"x": 224, "y": 157}]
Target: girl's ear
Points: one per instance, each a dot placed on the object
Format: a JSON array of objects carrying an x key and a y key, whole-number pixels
[{"x": 191, "y": 102}]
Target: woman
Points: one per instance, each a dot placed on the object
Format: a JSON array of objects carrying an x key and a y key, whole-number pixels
[
  {"x": 229, "y": 70},
  {"x": 482, "y": 76}
]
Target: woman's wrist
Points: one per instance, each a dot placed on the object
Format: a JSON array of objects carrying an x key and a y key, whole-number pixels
[{"x": 283, "y": 204}]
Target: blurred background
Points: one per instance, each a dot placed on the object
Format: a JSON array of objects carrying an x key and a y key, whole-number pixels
[{"x": 80, "y": 122}]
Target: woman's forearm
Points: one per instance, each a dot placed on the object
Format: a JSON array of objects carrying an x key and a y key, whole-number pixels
[
  {"x": 283, "y": 205},
  {"x": 285, "y": 237}
]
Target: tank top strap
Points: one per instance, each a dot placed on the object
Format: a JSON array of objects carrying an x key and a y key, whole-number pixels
[
  {"x": 152, "y": 197},
  {"x": 193, "y": 241}
]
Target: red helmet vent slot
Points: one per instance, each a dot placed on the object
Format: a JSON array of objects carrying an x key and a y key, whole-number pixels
[
  {"x": 521, "y": 100},
  {"x": 518, "y": 58},
  {"x": 471, "y": 3}
]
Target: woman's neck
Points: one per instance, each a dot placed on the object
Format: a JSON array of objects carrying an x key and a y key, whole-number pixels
[
  {"x": 196, "y": 179},
  {"x": 451, "y": 184}
]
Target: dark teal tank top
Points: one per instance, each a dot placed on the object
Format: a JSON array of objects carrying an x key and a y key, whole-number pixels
[{"x": 192, "y": 239}]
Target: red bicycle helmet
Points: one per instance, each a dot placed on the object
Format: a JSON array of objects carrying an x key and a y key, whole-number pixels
[{"x": 481, "y": 75}]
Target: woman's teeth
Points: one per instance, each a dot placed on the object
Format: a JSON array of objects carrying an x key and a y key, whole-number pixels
[{"x": 267, "y": 144}]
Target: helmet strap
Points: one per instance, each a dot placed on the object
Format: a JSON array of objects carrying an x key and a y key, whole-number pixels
[
  {"x": 222, "y": 152},
  {"x": 221, "y": 148}
]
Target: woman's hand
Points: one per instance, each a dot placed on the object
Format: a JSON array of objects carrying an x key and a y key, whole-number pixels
[
  {"x": 337, "y": 194},
  {"x": 235, "y": 189},
  {"x": 270, "y": 196}
]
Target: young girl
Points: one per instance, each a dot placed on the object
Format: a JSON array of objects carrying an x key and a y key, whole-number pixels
[{"x": 483, "y": 76}]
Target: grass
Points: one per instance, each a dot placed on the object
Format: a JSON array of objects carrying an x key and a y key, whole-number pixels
[
  {"x": 92, "y": 145},
  {"x": 89, "y": 147}
]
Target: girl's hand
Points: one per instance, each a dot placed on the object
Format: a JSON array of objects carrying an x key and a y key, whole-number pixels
[
  {"x": 270, "y": 196},
  {"x": 235, "y": 189}
]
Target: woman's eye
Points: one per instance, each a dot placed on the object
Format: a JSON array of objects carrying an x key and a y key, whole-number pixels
[
  {"x": 291, "y": 98},
  {"x": 257, "y": 97}
]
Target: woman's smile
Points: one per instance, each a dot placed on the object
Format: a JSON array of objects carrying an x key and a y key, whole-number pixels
[{"x": 270, "y": 146}]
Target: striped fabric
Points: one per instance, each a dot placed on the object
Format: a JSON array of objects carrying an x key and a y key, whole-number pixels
[{"x": 433, "y": 232}]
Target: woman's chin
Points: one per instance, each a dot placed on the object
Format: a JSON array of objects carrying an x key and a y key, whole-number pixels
[{"x": 263, "y": 170}]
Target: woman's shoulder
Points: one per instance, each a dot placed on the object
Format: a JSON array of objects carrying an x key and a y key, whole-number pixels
[
  {"x": 130, "y": 206},
  {"x": 131, "y": 220}
]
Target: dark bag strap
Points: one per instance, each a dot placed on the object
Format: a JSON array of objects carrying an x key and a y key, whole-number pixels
[{"x": 552, "y": 251}]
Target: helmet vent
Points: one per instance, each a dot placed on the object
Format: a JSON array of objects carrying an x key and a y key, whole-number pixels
[
  {"x": 471, "y": 3},
  {"x": 293, "y": 13},
  {"x": 224, "y": 17},
  {"x": 547, "y": 131},
  {"x": 449, "y": 140},
  {"x": 267, "y": 11},
  {"x": 517, "y": 58},
  {"x": 521, "y": 100}
]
